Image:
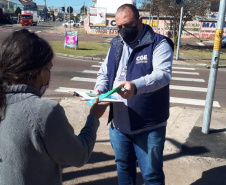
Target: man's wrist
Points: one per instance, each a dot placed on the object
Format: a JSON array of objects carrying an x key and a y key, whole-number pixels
[{"x": 134, "y": 88}]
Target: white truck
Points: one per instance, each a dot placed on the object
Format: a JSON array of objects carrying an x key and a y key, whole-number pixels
[{"x": 34, "y": 16}]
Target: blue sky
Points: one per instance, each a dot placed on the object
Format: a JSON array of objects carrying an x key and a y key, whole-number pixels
[{"x": 75, "y": 4}]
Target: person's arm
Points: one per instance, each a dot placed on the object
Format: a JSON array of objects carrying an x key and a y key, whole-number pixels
[
  {"x": 162, "y": 69},
  {"x": 62, "y": 145},
  {"x": 102, "y": 78},
  {"x": 160, "y": 76}
]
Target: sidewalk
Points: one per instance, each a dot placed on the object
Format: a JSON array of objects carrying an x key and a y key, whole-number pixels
[{"x": 190, "y": 157}]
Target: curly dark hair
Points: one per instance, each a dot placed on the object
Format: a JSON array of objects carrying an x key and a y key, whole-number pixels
[{"x": 23, "y": 55}]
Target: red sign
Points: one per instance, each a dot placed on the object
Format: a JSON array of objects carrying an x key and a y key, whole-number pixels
[{"x": 55, "y": 11}]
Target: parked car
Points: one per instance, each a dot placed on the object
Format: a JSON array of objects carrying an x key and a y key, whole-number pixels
[
  {"x": 14, "y": 20},
  {"x": 71, "y": 23},
  {"x": 223, "y": 45}
]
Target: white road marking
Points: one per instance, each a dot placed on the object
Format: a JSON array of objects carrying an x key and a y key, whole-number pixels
[
  {"x": 185, "y": 68},
  {"x": 67, "y": 90},
  {"x": 188, "y": 79},
  {"x": 83, "y": 79},
  {"x": 175, "y": 72},
  {"x": 96, "y": 66},
  {"x": 188, "y": 88},
  {"x": 189, "y": 101},
  {"x": 187, "y": 73},
  {"x": 89, "y": 71},
  {"x": 201, "y": 44}
]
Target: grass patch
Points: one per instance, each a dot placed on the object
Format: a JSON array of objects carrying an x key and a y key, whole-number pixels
[
  {"x": 84, "y": 48},
  {"x": 203, "y": 53}
]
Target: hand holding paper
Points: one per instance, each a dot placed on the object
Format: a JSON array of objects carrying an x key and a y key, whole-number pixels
[
  {"x": 102, "y": 96},
  {"x": 129, "y": 89}
]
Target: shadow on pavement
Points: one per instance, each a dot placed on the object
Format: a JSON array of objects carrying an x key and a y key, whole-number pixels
[
  {"x": 185, "y": 150},
  {"x": 88, "y": 172},
  {"x": 213, "y": 143},
  {"x": 214, "y": 176},
  {"x": 100, "y": 157},
  {"x": 96, "y": 157}
]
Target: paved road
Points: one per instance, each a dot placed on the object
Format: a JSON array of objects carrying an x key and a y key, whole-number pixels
[{"x": 188, "y": 86}]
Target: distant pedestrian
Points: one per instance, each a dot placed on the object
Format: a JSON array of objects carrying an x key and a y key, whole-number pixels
[
  {"x": 141, "y": 61},
  {"x": 35, "y": 135}
]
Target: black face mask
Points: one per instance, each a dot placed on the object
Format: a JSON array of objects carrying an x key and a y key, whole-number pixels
[{"x": 128, "y": 34}]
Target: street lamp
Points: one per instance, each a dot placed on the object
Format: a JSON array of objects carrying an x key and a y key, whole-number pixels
[
  {"x": 45, "y": 11},
  {"x": 8, "y": 5}
]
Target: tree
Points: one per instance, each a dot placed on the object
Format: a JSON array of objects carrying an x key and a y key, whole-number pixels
[
  {"x": 17, "y": 11},
  {"x": 172, "y": 10},
  {"x": 83, "y": 10}
]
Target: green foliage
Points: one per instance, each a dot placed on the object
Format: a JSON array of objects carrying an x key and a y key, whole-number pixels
[
  {"x": 17, "y": 11},
  {"x": 83, "y": 10},
  {"x": 170, "y": 9}
]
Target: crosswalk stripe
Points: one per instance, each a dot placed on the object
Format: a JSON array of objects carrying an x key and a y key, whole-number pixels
[
  {"x": 185, "y": 68},
  {"x": 188, "y": 88},
  {"x": 95, "y": 66},
  {"x": 182, "y": 68},
  {"x": 83, "y": 79},
  {"x": 89, "y": 71},
  {"x": 188, "y": 79},
  {"x": 67, "y": 90},
  {"x": 173, "y": 87},
  {"x": 186, "y": 73},
  {"x": 175, "y": 72},
  {"x": 189, "y": 101},
  {"x": 95, "y": 72}
]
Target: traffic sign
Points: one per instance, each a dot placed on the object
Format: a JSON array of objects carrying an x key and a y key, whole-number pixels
[
  {"x": 75, "y": 14},
  {"x": 55, "y": 11},
  {"x": 69, "y": 9}
]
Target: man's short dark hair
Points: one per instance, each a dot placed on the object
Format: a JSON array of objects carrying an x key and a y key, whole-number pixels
[{"x": 131, "y": 7}]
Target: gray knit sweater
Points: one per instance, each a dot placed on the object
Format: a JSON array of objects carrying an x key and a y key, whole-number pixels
[{"x": 36, "y": 139}]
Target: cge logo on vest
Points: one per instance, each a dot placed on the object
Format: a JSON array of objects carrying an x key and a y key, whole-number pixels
[{"x": 142, "y": 59}]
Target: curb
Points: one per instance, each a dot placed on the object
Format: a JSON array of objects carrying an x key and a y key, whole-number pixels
[
  {"x": 80, "y": 57},
  {"x": 102, "y": 59},
  {"x": 221, "y": 66}
]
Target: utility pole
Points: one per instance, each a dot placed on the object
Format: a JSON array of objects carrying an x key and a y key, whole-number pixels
[
  {"x": 84, "y": 10},
  {"x": 70, "y": 17},
  {"x": 214, "y": 68},
  {"x": 8, "y": 5},
  {"x": 64, "y": 18},
  {"x": 45, "y": 11},
  {"x": 180, "y": 28}
]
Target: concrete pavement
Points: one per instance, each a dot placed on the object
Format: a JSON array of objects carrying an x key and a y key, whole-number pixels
[{"x": 190, "y": 157}]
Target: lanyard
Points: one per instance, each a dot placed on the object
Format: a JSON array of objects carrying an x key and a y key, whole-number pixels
[{"x": 129, "y": 53}]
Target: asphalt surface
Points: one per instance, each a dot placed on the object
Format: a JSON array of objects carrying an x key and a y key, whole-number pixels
[{"x": 190, "y": 157}]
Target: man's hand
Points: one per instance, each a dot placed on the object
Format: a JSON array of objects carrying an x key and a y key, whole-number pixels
[
  {"x": 98, "y": 109},
  {"x": 97, "y": 91},
  {"x": 129, "y": 89}
]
